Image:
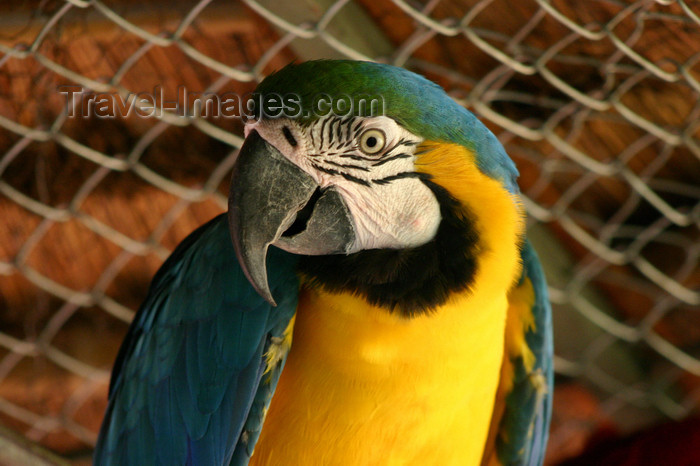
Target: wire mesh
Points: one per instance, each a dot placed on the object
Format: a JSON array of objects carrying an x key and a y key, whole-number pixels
[{"x": 596, "y": 101}]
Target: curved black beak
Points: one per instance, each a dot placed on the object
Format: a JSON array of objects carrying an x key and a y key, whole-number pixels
[{"x": 272, "y": 201}]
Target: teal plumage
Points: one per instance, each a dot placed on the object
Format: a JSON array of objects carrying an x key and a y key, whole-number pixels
[
  {"x": 192, "y": 364},
  {"x": 524, "y": 429}
]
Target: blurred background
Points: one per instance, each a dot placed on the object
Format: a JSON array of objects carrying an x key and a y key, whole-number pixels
[{"x": 596, "y": 101}]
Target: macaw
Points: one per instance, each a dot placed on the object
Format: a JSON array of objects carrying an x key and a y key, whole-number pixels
[{"x": 370, "y": 298}]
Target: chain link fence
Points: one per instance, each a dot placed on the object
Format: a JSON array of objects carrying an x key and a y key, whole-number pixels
[{"x": 597, "y": 102}]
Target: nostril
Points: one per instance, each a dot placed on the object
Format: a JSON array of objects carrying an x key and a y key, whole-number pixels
[{"x": 303, "y": 216}]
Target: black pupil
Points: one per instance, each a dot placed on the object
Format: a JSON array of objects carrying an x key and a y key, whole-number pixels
[{"x": 371, "y": 141}]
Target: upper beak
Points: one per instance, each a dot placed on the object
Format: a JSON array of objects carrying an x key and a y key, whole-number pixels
[{"x": 266, "y": 197}]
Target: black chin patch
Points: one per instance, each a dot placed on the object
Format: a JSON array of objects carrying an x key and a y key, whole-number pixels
[{"x": 409, "y": 281}]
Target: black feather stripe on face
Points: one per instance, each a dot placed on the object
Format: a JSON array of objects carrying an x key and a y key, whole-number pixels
[
  {"x": 337, "y": 153},
  {"x": 410, "y": 281}
]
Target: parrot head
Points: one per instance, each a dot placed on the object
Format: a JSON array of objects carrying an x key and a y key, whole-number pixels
[{"x": 376, "y": 178}]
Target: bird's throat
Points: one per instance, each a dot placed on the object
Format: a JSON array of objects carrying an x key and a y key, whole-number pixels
[{"x": 410, "y": 281}]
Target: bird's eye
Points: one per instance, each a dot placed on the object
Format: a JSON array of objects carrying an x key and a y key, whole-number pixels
[{"x": 372, "y": 141}]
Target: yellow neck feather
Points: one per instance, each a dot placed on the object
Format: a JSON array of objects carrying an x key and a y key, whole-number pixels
[{"x": 498, "y": 213}]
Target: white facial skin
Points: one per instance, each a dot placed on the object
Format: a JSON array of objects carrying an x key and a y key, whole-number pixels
[{"x": 390, "y": 206}]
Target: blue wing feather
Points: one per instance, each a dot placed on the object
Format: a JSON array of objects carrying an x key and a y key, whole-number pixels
[
  {"x": 254, "y": 423},
  {"x": 524, "y": 427},
  {"x": 192, "y": 363}
]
